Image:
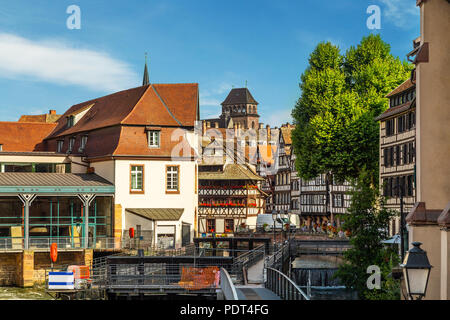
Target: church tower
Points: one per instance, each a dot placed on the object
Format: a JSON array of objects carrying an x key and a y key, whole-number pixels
[{"x": 240, "y": 107}]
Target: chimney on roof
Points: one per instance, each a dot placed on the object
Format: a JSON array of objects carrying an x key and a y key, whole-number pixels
[{"x": 52, "y": 111}]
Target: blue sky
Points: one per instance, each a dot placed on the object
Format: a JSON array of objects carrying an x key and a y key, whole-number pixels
[{"x": 218, "y": 44}]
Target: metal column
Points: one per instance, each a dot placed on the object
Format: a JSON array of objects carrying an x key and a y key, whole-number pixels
[
  {"x": 27, "y": 199},
  {"x": 86, "y": 199}
]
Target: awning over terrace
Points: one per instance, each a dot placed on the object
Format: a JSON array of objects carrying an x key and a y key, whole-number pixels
[
  {"x": 53, "y": 183},
  {"x": 158, "y": 214}
]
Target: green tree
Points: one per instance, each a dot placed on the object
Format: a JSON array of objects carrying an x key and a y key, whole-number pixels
[
  {"x": 367, "y": 221},
  {"x": 334, "y": 116}
]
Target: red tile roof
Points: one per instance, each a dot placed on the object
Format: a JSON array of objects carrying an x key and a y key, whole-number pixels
[
  {"x": 156, "y": 104},
  {"x": 166, "y": 104},
  {"x": 115, "y": 124},
  {"x": 24, "y": 136}
]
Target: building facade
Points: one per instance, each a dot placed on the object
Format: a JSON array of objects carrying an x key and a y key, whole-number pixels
[
  {"x": 126, "y": 160},
  {"x": 429, "y": 219},
  {"x": 282, "y": 190},
  {"x": 397, "y": 151},
  {"x": 230, "y": 198}
]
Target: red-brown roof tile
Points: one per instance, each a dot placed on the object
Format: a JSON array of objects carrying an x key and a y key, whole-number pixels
[
  {"x": 107, "y": 111},
  {"x": 156, "y": 104},
  {"x": 24, "y": 136}
]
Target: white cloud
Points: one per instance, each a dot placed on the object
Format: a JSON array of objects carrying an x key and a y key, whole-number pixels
[
  {"x": 278, "y": 117},
  {"x": 57, "y": 62},
  {"x": 214, "y": 96},
  {"x": 402, "y": 13}
]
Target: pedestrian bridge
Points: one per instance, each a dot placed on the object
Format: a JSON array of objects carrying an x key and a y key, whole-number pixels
[
  {"x": 247, "y": 275},
  {"x": 263, "y": 281}
]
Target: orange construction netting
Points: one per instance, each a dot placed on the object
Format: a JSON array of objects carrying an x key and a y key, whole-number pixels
[
  {"x": 79, "y": 272},
  {"x": 199, "y": 278}
]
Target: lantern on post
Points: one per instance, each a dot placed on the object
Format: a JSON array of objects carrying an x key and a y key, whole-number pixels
[{"x": 416, "y": 270}]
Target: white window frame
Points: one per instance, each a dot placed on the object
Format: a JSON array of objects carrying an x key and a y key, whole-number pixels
[
  {"x": 172, "y": 178},
  {"x": 151, "y": 136},
  {"x": 135, "y": 172}
]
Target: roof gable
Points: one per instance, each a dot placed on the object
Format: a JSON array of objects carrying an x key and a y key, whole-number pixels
[{"x": 166, "y": 104}]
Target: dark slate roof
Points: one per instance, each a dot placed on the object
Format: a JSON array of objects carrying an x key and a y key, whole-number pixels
[
  {"x": 24, "y": 179},
  {"x": 158, "y": 213},
  {"x": 239, "y": 96}
]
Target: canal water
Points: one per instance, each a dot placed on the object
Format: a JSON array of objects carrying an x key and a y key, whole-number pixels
[
  {"x": 14, "y": 293},
  {"x": 318, "y": 272}
]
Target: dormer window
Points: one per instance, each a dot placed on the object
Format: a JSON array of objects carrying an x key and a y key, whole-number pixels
[
  {"x": 73, "y": 118},
  {"x": 153, "y": 138},
  {"x": 59, "y": 145},
  {"x": 71, "y": 144},
  {"x": 70, "y": 121}
]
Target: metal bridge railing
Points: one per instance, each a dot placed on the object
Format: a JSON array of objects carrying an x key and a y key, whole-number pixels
[
  {"x": 227, "y": 286},
  {"x": 280, "y": 253},
  {"x": 157, "y": 277},
  {"x": 282, "y": 286},
  {"x": 64, "y": 243}
]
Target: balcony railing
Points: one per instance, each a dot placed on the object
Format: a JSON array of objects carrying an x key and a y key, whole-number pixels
[{"x": 63, "y": 243}]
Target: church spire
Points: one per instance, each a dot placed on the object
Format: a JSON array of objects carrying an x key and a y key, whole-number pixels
[{"x": 145, "y": 80}]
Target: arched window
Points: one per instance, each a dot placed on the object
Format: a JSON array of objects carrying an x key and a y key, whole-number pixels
[{"x": 253, "y": 124}]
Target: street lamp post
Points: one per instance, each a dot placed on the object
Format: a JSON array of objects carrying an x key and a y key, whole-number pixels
[
  {"x": 402, "y": 222},
  {"x": 402, "y": 226},
  {"x": 416, "y": 271},
  {"x": 274, "y": 218},
  {"x": 282, "y": 217}
]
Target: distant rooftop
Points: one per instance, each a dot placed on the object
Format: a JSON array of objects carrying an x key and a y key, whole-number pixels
[
  {"x": 239, "y": 96},
  {"x": 50, "y": 117}
]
